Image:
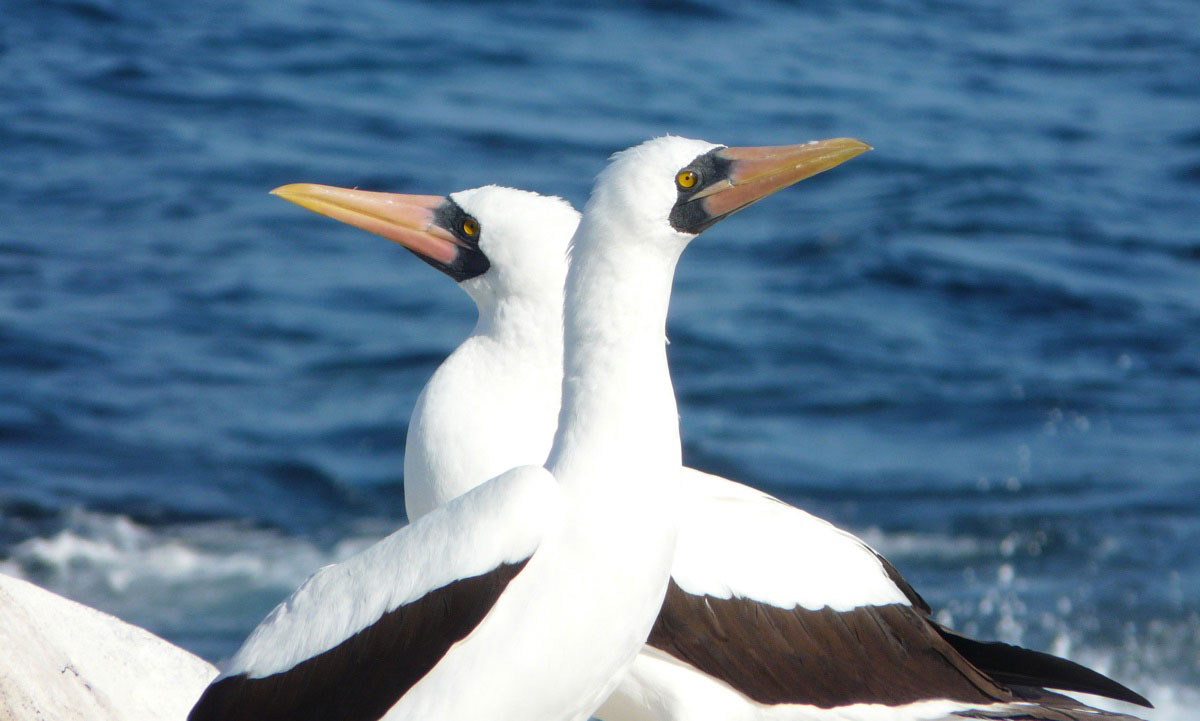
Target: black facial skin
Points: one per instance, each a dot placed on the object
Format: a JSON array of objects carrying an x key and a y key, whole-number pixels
[
  {"x": 691, "y": 217},
  {"x": 470, "y": 261}
]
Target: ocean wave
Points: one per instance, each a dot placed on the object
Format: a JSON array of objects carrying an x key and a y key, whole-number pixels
[
  {"x": 911, "y": 545},
  {"x": 203, "y": 586},
  {"x": 115, "y": 553}
]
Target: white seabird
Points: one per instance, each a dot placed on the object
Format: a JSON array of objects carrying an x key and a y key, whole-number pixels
[
  {"x": 525, "y": 597},
  {"x": 772, "y": 613}
]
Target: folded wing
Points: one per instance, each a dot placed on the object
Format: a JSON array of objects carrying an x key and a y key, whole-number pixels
[
  {"x": 788, "y": 609},
  {"x": 356, "y": 636}
]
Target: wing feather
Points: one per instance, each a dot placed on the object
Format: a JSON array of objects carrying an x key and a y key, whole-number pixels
[{"x": 357, "y": 635}]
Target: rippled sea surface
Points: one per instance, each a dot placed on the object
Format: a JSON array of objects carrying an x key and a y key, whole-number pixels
[{"x": 978, "y": 345}]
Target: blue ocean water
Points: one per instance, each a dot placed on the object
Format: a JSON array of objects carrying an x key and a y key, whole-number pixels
[{"x": 978, "y": 345}]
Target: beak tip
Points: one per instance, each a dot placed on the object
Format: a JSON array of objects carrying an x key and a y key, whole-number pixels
[
  {"x": 856, "y": 144},
  {"x": 288, "y": 191}
]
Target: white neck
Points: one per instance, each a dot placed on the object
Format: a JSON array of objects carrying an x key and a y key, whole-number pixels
[
  {"x": 491, "y": 405},
  {"x": 619, "y": 425}
]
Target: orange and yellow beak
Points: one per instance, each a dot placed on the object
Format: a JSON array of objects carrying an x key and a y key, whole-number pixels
[
  {"x": 410, "y": 220},
  {"x": 754, "y": 173}
]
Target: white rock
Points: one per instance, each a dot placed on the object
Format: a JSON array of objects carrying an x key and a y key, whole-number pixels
[{"x": 62, "y": 661}]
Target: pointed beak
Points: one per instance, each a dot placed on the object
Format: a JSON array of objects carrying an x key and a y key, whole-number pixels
[
  {"x": 405, "y": 219},
  {"x": 755, "y": 173}
]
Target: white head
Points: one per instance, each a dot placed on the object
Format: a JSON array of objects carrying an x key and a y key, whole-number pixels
[
  {"x": 636, "y": 192},
  {"x": 498, "y": 243},
  {"x": 669, "y": 189},
  {"x": 523, "y": 238},
  {"x": 493, "y": 403},
  {"x": 645, "y": 207}
]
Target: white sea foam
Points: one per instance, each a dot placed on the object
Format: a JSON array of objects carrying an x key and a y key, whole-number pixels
[
  {"x": 201, "y": 585},
  {"x": 114, "y": 552},
  {"x": 924, "y": 545}
]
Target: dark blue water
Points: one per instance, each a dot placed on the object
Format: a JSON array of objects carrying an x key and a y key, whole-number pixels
[{"x": 978, "y": 345}]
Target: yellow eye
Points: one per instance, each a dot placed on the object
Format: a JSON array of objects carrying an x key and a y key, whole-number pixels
[
  {"x": 686, "y": 179},
  {"x": 470, "y": 227}
]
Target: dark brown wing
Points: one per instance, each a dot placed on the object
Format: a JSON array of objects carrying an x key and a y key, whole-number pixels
[
  {"x": 365, "y": 675},
  {"x": 888, "y": 654}
]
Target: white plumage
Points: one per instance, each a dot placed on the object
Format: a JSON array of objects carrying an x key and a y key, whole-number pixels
[
  {"x": 555, "y": 639},
  {"x": 734, "y": 541},
  {"x": 501, "y": 521},
  {"x": 494, "y": 404}
]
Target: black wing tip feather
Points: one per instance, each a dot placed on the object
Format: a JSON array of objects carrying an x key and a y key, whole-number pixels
[
  {"x": 1018, "y": 666},
  {"x": 1013, "y": 665}
]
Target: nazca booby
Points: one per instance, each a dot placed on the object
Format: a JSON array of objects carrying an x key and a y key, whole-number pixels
[
  {"x": 792, "y": 621},
  {"x": 526, "y": 596}
]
